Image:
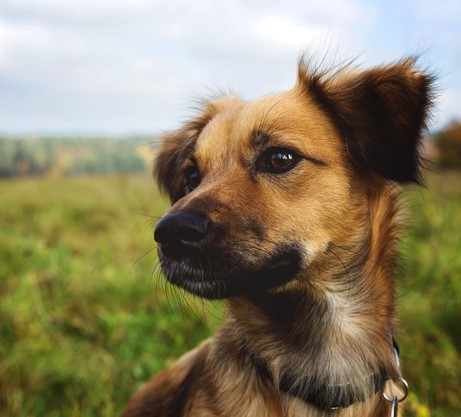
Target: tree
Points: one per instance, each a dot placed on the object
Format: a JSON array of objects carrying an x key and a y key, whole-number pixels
[{"x": 449, "y": 143}]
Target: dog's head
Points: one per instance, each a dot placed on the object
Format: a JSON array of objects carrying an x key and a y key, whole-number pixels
[{"x": 261, "y": 189}]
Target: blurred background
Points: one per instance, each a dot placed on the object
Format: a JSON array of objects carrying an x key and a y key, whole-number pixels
[{"x": 87, "y": 87}]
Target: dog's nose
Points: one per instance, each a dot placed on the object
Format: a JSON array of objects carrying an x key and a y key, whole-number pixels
[{"x": 182, "y": 226}]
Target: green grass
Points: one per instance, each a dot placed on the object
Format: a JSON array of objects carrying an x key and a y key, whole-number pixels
[
  {"x": 82, "y": 322},
  {"x": 85, "y": 319},
  {"x": 430, "y": 296}
]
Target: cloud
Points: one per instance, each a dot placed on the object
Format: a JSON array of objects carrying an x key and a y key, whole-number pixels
[
  {"x": 31, "y": 39},
  {"x": 134, "y": 63}
]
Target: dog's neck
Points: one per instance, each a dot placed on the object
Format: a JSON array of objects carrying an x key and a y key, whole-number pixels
[{"x": 331, "y": 337}]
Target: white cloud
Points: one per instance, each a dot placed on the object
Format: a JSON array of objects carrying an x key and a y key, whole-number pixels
[
  {"x": 81, "y": 7},
  {"x": 282, "y": 32},
  {"x": 22, "y": 39},
  {"x": 144, "y": 58}
]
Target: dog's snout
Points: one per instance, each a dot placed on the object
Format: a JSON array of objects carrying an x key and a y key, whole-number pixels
[{"x": 182, "y": 226}]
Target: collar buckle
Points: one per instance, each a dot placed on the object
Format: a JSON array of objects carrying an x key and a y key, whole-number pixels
[{"x": 396, "y": 389}]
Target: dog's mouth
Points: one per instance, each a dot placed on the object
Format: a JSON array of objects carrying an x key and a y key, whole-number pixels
[
  {"x": 209, "y": 261},
  {"x": 215, "y": 273}
]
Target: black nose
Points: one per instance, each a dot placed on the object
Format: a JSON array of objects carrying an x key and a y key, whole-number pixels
[{"x": 182, "y": 226}]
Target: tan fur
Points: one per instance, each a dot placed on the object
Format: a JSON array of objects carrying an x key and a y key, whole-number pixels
[{"x": 331, "y": 218}]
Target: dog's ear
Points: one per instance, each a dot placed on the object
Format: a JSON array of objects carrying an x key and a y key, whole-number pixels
[
  {"x": 177, "y": 147},
  {"x": 381, "y": 114}
]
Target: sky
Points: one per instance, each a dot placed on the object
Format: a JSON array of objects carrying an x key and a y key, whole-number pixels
[{"x": 123, "y": 67}]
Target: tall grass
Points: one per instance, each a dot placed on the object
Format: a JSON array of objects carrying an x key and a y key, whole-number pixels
[
  {"x": 85, "y": 318},
  {"x": 430, "y": 296},
  {"x": 82, "y": 322}
]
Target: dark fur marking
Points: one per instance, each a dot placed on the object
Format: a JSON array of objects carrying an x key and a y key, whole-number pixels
[
  {"x": 216, "y": 272},
  {"x": 279, "y": 307},
  {"x": 287, "y": 307},
  {"x": 211, "y": 393},
  {"x": 257, "y": 230},
  {"x": 260, "y": 138},
  {"x": 258, "y": 363},
  {"x": 179, "y": 399}
]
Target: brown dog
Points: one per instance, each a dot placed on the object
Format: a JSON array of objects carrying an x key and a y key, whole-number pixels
[{"x": 287, "y": 206}]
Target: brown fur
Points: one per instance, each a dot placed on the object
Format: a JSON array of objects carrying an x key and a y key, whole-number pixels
[{"x": 306, "y": 257}]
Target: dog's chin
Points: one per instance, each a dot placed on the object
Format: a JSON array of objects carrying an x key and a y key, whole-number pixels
[{"x": 217, "y": 277}]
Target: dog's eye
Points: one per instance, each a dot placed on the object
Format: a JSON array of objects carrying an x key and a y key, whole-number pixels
[
  {"x": 278, "y": 160},
  {"x": 193, "y": 178}
]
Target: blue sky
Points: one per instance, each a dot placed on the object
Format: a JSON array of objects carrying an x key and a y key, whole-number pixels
[{"x": 135, "y": 66}]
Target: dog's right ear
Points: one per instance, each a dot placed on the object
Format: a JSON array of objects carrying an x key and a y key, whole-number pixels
[{"x": 178, "y": 146}]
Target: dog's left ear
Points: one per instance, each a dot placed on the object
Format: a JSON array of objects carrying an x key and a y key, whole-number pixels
[{"x": 381, "y": 114}]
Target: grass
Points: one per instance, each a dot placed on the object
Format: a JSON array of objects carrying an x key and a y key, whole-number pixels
[
  {"x": 84, "y": 319},
  {"x": 430, "y": 297}
]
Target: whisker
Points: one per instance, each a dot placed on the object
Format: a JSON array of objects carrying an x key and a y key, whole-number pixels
[{"x": 144, "y": 255}]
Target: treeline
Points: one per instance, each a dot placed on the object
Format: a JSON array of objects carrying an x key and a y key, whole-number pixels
[
  {"x": 449, "y": 146},
  {"x": 51, "y": 156}
]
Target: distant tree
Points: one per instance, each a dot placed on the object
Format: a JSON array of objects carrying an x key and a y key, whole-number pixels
[
  {"x": 449, "y": 144},
  {"x": 7, "y": 157},
  {"x": 22, "y": 161},
  {"x": 69, "y": 156}
]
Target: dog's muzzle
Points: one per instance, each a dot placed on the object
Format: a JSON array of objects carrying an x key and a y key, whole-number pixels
[{"x": 199, "y": 255}]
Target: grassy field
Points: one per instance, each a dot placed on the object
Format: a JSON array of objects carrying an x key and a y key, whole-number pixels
[{"x": 85, "y": 319}]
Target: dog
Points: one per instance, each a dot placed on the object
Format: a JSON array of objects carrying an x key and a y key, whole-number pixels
[{"x": 287, "y": 206}]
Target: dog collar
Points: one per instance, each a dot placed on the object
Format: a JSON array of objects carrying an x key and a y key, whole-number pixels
[
  {"x": 327, "y": 397},
  {"x": 332, "y": 397}
]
